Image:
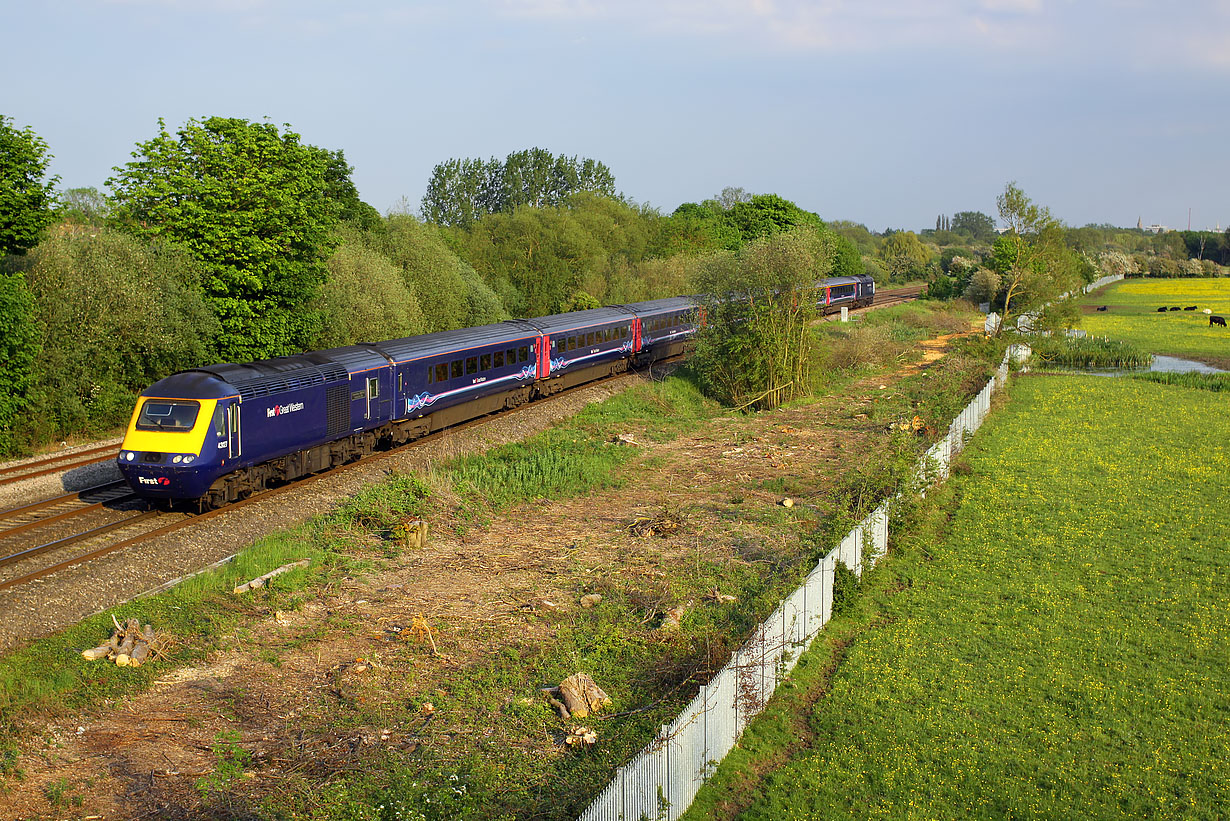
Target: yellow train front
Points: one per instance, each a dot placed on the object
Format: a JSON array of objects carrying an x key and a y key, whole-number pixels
[{"x": 182, "y": 437}]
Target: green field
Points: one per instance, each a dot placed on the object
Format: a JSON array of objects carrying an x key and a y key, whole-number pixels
[
  {"x": 1057, "y": 650},
  {"x": 1132, "y": 315}
]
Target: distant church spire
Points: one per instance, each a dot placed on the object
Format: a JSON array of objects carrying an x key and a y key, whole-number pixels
[{"x": 1139, "y": 225}]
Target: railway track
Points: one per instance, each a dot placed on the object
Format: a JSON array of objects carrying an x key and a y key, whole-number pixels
[{"x": 61, "y": 463}]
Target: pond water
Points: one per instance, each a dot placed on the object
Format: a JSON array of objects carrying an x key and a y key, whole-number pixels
[
  {"x": 1161, "y": 364},
  {"x": 1172, "y": 364}
]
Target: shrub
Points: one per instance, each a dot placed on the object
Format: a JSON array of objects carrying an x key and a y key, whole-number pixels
[
  {"x": 365, "y": 299},
  {"x": 116, "y": 315}
]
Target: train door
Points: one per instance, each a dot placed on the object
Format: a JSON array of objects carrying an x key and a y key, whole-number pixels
[
  {"x": 234, "y": 446},
  {"x": 543, "y": 353},
  {"x": 372, "y": 396},
  {"x": 636, "y": 334}
]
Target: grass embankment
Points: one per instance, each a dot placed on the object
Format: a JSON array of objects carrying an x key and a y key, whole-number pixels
[
  {"x": 490, "y": 748},
  {"x": 1132, "y": 316},
  {"x": 1055, "y": 649}
]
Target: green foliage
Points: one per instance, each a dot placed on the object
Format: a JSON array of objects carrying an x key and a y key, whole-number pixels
[
  {"x": 114, "y": 315},
  {"x": 448, "y": 293},
  {"x": 974, "y": 224},
  {"x": 756, "y": 347},
  {"x": 904, "y": 256},
  {"x": 697, "y": 229},
  {"x": 766, "y": 214},
  {"x": 365, "y": 299},
  {"x": 846, "y": 587},
  {"x": 27, "y": 199},
  {"x": 253, "y": 205},
  {"x": 461, "y": 192},
  {"x": 847, "y": 262},
  {"x": 341, "y": 193},
  {"x": 84, "y": 206},
  {"x": 534, "y": 258},
  {"x": 20, "y": 343},
  {"x": 1031, "y": 259}
]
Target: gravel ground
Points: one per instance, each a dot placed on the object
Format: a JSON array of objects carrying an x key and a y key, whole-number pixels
[
  {"x": 53, "y": 603},
  {"x": 54, "y": 484}
]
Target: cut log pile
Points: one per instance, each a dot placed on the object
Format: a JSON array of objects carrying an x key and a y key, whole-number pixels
[{"x": 130, "y": 645}]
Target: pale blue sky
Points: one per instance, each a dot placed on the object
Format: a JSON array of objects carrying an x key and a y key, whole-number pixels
[{"x": 885, "y": 112}]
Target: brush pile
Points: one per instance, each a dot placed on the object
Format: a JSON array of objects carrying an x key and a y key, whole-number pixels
[{"x": 130, "y": 645}]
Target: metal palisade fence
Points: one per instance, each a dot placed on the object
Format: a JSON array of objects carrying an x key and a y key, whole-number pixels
[{"x": 660, "y": 783}]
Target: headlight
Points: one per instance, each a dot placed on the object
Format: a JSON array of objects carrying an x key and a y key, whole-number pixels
[
  {"x": 188, "y": 459},
  {"x": 130, "y": 456},
  {"x": 177, "y": 460}
]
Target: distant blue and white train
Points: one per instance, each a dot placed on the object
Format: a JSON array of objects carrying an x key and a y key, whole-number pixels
[{"x": 220, "y": 433}]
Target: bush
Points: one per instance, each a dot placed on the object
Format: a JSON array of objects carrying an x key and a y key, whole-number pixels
[
  {"x": 365, "y": 299},
  {"x": 757, "y": 347},
  {"x": 116, "y": 315},
  {"x": 19, "y": 346}
]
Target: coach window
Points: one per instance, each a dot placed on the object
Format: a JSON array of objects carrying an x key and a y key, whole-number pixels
[
  {"x": 484, "y": 362},
  {"x": 523, "y": 353},
  {"x": 442, "y": 372},
  {"x": 430, "y": 375},
  {"x": 456, "y": 368},
  {"x": 511, "y": 355},
  {"x": 471, "y": 365},
  {"x": 373, "y": 388},
  {"x": 589, "y": 339},
  {"x": 499, "y": 359}
]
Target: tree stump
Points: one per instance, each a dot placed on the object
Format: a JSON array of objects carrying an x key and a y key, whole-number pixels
[{"x": 582, "y": 696}]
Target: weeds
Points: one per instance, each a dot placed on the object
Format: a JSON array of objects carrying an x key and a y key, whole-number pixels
[{"x": 1087, "y": 352}]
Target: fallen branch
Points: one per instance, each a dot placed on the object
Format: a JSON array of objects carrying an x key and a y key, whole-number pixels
[{"x": 260, "y": 581}]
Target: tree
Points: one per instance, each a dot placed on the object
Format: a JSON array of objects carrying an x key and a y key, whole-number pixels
[
  {"x": 253, "y": 205},
  {"x": 767, "y": 214},
  {"x": 904, "y": 256},
  {"x": 756, "y": 347},
  {"x": 27, "y": 199},
  {"x": 341, "y": 192},
  {"x": 974, "y": 224},
  {"x": 85, "y": 206},
  {"x": 460, "y": 192},
  {"x": 732, "y": 196},
  {"x": 697, "y": 229},
  {"x": 1031, "y": 258}
]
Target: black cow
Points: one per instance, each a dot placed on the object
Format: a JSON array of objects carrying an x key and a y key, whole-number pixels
[
  {"x": 1175, "y": 308},
  {"x": 1161, "y": 310},
  {"x": 1217, "y": 320},
  {"x": 1103, "y": 308},
  {"x": 1190, "y": 308}
]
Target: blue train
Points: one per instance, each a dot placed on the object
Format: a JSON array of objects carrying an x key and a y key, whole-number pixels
[{"x": 220, "y": 433}]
